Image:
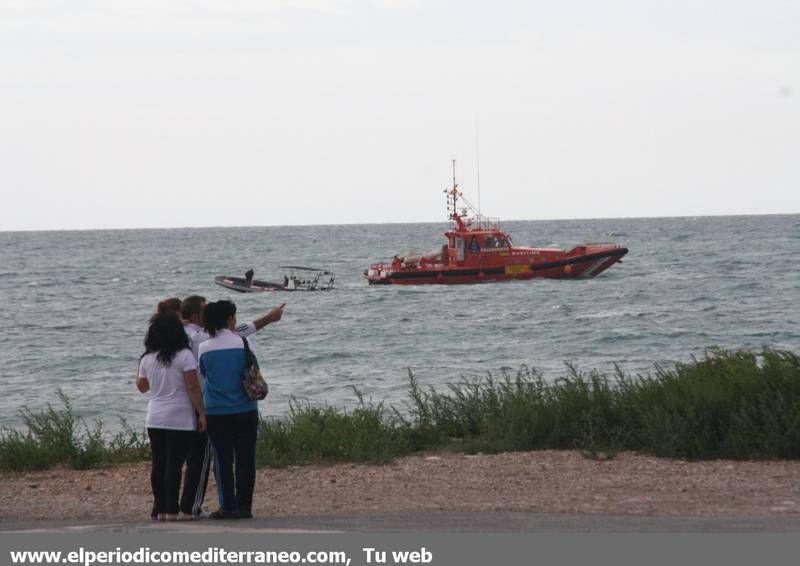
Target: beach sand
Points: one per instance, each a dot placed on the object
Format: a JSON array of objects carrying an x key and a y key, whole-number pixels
[{"x": 543, "y": 481}]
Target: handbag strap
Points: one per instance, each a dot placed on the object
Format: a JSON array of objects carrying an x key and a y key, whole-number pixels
[{"x": 248, "y": 355}]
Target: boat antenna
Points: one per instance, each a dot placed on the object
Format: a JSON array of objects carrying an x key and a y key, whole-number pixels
[
  {"x": 454, "y": 192},
  {"x": 478, "y": 166}
]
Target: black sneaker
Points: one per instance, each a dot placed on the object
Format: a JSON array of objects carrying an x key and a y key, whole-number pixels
[
  {"x": 223, "y": 514},
  {"x": 245, "y": 515}
]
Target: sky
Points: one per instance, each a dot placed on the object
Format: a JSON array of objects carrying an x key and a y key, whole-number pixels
[{"x": 145, "y": 113}]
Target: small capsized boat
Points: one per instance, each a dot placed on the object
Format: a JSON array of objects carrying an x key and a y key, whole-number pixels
[
  {"x": 476, "y": 250},
  {"x": 296, "y": 278}
]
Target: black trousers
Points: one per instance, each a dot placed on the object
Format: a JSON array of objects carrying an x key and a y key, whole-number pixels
[
  {"x": 195, "y": 478},
  {"x": 169, "y": 448},
  {"x": 234, "y": 440}
]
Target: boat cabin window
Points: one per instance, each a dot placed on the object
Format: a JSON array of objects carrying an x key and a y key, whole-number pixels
[
  {"x": 460, "y": 247},
  {"x": 492, "y": 242}
]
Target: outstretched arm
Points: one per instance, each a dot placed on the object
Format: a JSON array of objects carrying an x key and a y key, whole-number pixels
[{"x": 274, "y": 315}]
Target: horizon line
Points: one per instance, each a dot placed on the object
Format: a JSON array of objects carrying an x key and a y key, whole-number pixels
[{"x": 129, "y": 228}]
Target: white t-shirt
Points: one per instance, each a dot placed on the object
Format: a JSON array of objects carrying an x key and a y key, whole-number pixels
[
  {"x": 196, "y": 336},
  {"x": 169, "y": 406}
]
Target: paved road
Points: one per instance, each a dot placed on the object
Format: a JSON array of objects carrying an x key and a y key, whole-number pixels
[{"x": 501, "y": 522}]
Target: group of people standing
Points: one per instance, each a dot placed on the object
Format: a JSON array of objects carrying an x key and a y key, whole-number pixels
[{"x": 198, "y": 412}]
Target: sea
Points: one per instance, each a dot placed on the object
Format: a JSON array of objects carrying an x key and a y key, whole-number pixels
[{"x": 76, "y": 304}]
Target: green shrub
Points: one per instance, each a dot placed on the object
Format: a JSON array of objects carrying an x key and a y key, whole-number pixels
[
  {"x": 325, "y": 434},
  {"x": 726, "y": 405},
  {"x": 56, "y": 437},
  {"x": 20, "y": 452},
  {"x": 739, "y": 405}
]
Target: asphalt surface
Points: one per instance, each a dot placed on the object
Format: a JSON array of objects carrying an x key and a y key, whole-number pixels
[{"x": 499, "y": 522}]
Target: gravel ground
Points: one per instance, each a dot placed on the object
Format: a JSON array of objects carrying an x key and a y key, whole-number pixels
[{"x": 541, "y": 482}]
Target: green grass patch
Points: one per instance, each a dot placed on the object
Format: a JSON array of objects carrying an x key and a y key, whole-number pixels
[
  {"x": 738, "y": 405},
  {"x": 57, "y": 437},
  {"x": 325, "y": 434}
]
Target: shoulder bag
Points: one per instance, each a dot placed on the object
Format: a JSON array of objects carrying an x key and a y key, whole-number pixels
[{"x": 255, "y": 387}]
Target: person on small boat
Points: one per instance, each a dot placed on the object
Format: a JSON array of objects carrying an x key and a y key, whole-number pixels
[
  {"x": 285, "y": 280},
  {"x": 248, "y": 277}
]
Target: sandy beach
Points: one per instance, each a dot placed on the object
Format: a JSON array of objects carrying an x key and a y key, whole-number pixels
[{"x": 543, "y": 481}]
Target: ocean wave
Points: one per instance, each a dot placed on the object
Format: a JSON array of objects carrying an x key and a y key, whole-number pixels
[
  {"x": 617, "y": 337},
  {"x": 616, "y": 314},
  {"x": 743, "y": 286},
  {"x": 325, "y": 357}
]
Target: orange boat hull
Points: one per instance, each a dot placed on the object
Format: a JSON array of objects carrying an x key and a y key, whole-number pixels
[{"x": 581, "y": 262}]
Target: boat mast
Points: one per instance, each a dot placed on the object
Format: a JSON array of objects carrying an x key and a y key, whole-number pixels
[{"x": 453, "y": 194}]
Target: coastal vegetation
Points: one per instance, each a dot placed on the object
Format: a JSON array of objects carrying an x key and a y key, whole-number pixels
[{"x": 737, "y": 405}]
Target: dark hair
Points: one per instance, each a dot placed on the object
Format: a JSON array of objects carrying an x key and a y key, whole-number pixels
[
  {"x": 165, "y": 336},
  {"x": 191, "y": 306},
  {"x": 172, "y": 305},
  {"x": 216, "y": 315}
]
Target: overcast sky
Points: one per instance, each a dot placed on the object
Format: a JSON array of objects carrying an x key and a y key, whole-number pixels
[{"x": 153, "y": 113}]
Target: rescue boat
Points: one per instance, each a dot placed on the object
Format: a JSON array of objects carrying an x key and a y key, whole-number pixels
[{"x": 477, "y": 250}]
